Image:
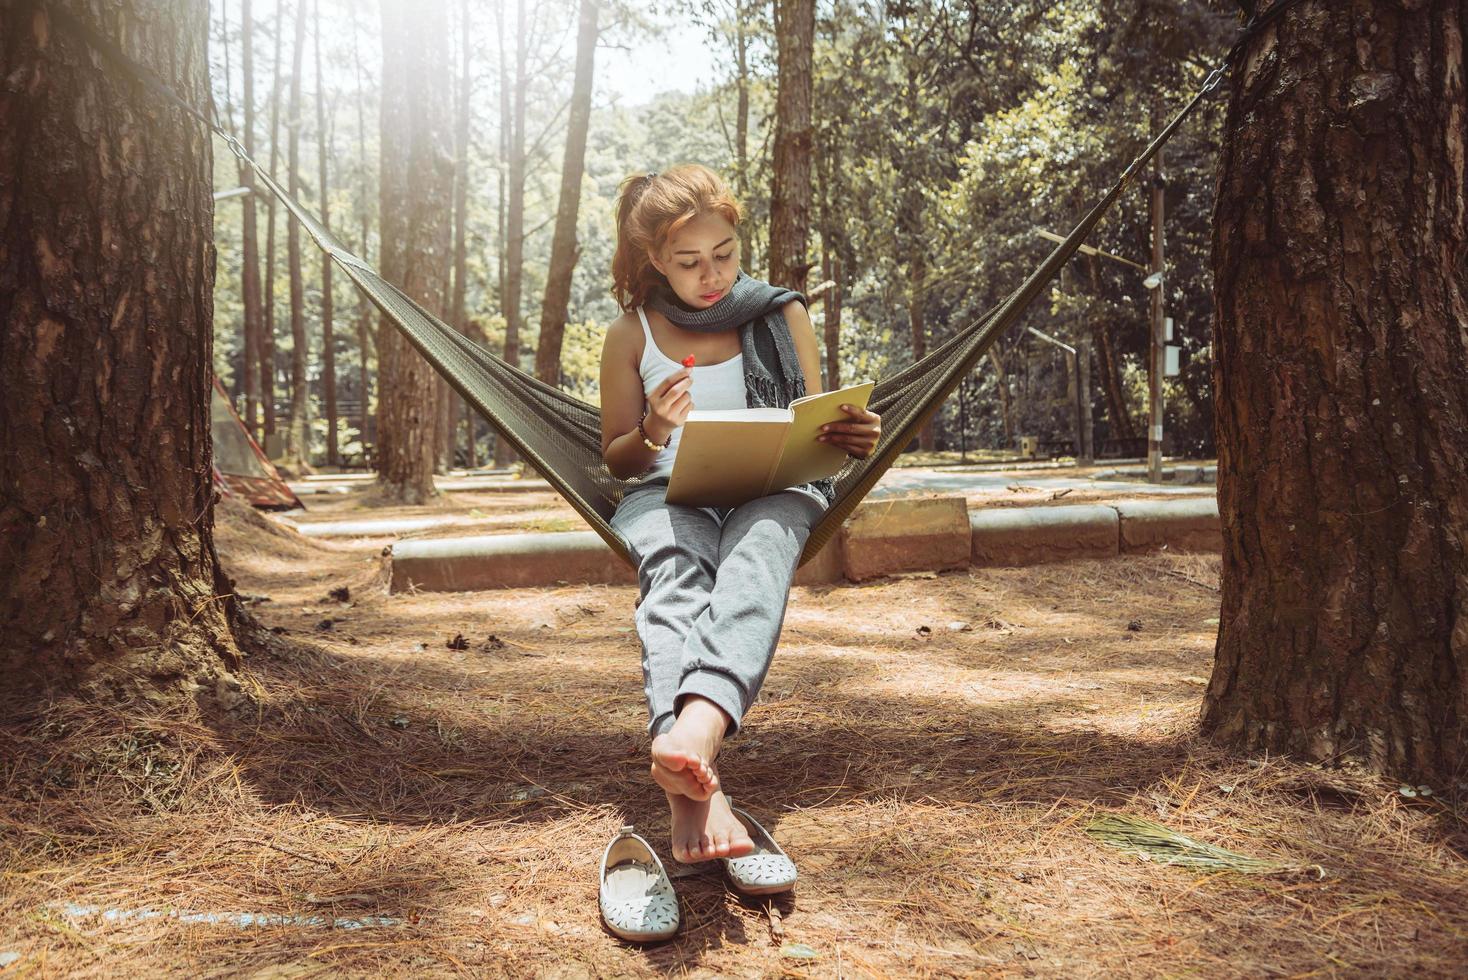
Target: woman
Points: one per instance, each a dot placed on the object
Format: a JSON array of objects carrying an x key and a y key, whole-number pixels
[{"x": 714, "y": 581}]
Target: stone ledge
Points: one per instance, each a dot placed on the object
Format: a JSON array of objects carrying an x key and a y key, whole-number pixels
[
  {"x": 507, "y": 561},
  {"x": 906, "y": 534},
  {"x": 1033, "y": 535},
  {"x": 1190, "y": 524}
]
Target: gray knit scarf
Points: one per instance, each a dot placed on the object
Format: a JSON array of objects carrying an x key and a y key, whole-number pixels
[{"x": 773, "y": 377}]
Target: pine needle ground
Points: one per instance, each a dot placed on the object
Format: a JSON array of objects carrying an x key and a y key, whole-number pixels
[{"x": 391, "y": 801}]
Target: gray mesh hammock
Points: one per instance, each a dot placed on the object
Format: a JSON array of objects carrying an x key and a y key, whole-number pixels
[{"x": 560, "y": 435}]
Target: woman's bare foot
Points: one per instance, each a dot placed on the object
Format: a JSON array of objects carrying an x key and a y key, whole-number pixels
[
  {"x": 707, "y": 829},
  {"x": 683, "y": 757}
]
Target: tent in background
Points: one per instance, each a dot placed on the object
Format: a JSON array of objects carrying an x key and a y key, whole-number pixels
[{"x": 240, "y": 467}]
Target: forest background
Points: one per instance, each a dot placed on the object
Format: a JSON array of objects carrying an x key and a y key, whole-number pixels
[{"x": 945, "y": 135}]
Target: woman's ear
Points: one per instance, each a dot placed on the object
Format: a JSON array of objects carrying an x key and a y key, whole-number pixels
[{"x": 657, "y": 264}]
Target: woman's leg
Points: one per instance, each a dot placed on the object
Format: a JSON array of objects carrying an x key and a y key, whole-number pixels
[
  {"x": 728, "y": 652},
  {"x": 676, "y": 551}
]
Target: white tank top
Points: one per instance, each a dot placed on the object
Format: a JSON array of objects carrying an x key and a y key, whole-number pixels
[{"x": 714, "y": 386}]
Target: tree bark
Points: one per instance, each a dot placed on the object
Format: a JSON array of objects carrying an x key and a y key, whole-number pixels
[
  {"x": 416, "y": 188},
  {"x": 564, "y": 250},
  {"x": 741, "y": 129},
  {"x": 504, "y": 453},
  {"x": 461, "y": 222},
  {"x": 364, "y": 306},
  {"x": 296, "y": 444},
  {"x": 267, "y": 334},
  {"x": 250, "y": 280},
  {"x": 112, "y": 587},
  {"x": 328, "y": 342},
  {"x": 1340, "y": 242},
  {"x": 1101, "y": 334},
  {"x": 790, "y": 194}
]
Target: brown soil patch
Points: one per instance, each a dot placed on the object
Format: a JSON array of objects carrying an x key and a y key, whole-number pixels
[{"x": 932, "y": 781}]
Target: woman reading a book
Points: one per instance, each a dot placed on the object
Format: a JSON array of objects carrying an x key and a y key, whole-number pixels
[{"x": 714, "y": 581}]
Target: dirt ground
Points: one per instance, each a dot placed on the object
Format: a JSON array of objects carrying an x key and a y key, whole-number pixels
[{"x": 421, "y": 785}]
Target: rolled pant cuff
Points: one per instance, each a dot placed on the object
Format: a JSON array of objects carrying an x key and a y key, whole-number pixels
[
  {"x": 662, "y": 724},
  {"x": 719, "y": 688}
]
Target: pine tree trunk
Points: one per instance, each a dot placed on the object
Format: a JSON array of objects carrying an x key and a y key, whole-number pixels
[
  {"x": 106, "y": 294},
  {"x": 364, "y": 306},
  {"x": 461, "y": 221},
  {"x": 250, "y": 281},
  {"x": 741, "y": 129},
  {"x": 328, "y": 343},
  {"x": 832, "y": 327},
  {"x": 790, "y": 195},
  {"x": 297, "y": 449},
  {"x": 415, "y": 205},
  {"x": 504, "y": 453},
  {"x": 267, "y": 334},
  {"x": 564, "y": 250},
  {"x": 1340, "y": 242}
]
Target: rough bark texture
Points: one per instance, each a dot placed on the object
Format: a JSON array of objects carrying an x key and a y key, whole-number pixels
[
  {"x": 109, "y": 582},
  {"x": 328, "y": 342},
  {"x": 1342, "y": 379},
  {"x": 416, "y": 184},
  {"x": 564, "y": 250},
  {"x": 250, "y": 284},
  {"x": 790, "y": 193},
  {"x": 504, "y": 453},
  {"x": 296, "y": 448},
  {"x": 267, "y": 328},
  {"x": 461, "y": 219}
]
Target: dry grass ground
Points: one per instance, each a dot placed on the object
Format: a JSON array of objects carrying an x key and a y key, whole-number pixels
[{"x": 929, "y": 750}]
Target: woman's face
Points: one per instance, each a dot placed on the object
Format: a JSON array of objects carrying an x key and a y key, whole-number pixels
[{"x": 700, "y": 260}]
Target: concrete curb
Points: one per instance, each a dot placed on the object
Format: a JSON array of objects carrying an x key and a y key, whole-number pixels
[
  {"x": 1034, "y": 535},
  {"x": 507, "y": 561},
  {"x": 883, "y": 537}
]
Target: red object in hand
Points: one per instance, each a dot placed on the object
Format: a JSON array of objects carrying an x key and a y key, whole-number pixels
[{"x": 688, "y": 361}]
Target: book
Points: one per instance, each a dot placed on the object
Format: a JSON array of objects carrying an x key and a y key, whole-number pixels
[{"x": 728, "y": 457}]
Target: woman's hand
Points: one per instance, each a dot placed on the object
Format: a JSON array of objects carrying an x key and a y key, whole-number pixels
[
  {"x": 858, "y": 437},
  {"x": 668, "y": 405}
]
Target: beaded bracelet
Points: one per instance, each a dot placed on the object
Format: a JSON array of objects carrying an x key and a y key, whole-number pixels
[{"x": 646, "y": 441}]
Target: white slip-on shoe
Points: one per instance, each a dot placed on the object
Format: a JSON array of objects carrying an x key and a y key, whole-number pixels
[
  {"x": 636, "y": 897},
  {"x": 766, "y": 871}
]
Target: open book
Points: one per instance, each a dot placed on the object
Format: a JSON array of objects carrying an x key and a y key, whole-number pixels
[{"x": 728, "y": 457}]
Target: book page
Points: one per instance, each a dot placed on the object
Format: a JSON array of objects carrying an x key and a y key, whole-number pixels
[{"x": 804, "y": 459}]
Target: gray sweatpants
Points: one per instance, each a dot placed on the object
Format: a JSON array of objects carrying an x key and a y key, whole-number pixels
[{"x": 714, "y": 584}]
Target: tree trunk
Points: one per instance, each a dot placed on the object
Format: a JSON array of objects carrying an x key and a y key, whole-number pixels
[
  {"x": 250, "y": 281},
  {"x": 504, "y": 453},
  {"x": 416, "y": 189},
  {"x": 1005, "y": 408},
  {"x": 564, "y": 250},
  {"x": 364, "y": 306},
  {"x": 328, "y": 342},
  {"x": 790, "y": 194},
  {"x": 296, "y": 445},
  {"x": 832, "y": 327},
  {"x": 106, "y": 293},
  {"x": 461, "y": 221},
  {"x": 741, "y": 129},
  {"x": 1106, "y": 352},
  {"x": 267, "y": 334},
  {"x": 917, "y": 298},
  {"x": 1339, "y": 252}
]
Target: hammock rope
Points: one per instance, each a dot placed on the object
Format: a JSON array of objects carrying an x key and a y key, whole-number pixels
[{"x": 560, "y": 435}]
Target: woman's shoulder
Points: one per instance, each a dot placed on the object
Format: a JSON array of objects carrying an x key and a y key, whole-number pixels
[{"x": 624, "y": 338}]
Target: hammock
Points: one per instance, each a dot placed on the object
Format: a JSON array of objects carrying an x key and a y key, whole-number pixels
[{"x": 560, "y": 435}]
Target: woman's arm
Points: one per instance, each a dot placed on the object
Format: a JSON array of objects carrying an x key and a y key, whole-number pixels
[
  {"x": 860, "y": 435},
  {"x": 806, "y": 350},
  {"x": 622, "y": 402}
]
